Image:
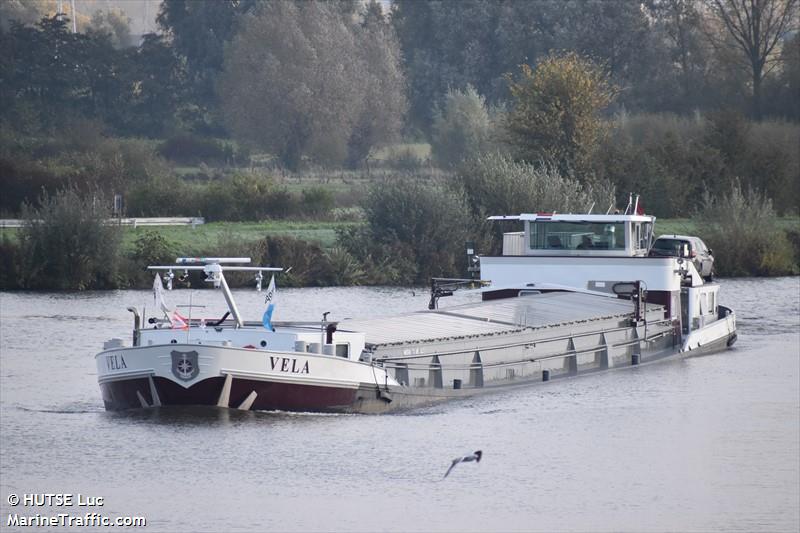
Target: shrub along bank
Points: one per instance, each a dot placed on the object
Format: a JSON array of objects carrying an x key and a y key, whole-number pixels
[{"x": 412, "y": 230}]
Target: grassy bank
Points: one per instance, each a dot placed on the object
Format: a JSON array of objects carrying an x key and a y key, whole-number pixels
[
  {"x": 318, "y": 259},
  {"x": 188, "y": 240},
  {"x": 688, "y": 226}
]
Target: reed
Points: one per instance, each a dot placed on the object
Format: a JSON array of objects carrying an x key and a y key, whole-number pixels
[{"x": 744, "y": 232}]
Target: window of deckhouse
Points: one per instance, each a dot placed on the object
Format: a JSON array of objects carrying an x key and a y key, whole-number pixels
[{"x": 577, "y": 236}]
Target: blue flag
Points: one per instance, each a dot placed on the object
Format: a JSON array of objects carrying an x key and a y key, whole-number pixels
[{"x": 270, "y": 301}]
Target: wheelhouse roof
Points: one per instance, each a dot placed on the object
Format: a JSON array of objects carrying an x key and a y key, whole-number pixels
[{"x": 549, "y": 217}]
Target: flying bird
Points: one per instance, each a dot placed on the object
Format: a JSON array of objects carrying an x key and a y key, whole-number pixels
[{"x": 466, "y": 459}]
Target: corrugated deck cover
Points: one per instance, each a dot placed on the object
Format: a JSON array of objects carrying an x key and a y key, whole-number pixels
[{"x": 494, "y": 316}]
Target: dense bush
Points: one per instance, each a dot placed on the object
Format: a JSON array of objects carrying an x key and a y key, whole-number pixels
[
  {"x": 228, "y": 198},
  {"x": 113, "y": 165},
  {"x": 24, "y": 181},
  {"x": 415, "y": 230},
  {"x": 188, "y": 149},
  {"x": 48, "y": 164},
  {"x": 741, "y": 227},
  {"x": 161, "y": 196},
  {"x": 495, "y": 184},
  {"x": 9, "y": 263},
  {"x": 671, "y": 160},
  {"x": 149, "y": 248},
  {"x": 316, "y": 202},
  {"x": 462, "y": 127},
  {"x": 309, "y": 264},
  {"x": 66, "y": 244}
]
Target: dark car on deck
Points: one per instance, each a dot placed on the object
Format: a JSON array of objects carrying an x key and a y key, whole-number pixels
[{"x": 687, "y": 247}]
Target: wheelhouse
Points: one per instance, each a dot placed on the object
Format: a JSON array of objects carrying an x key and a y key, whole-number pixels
[{"x": 549, "y": 234}]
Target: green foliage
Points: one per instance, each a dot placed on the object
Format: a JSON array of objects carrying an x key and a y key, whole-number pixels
[
  {"x": 189, "y": 149},
  {"x": 149, "y": 248},
  {"x": 671, "y": 160},
  {"x": 556, "y": 108},
  {"x": 240, "y": 197},
  {"x": 9, "y": 263},
  {"x": 160, "y": 196},
  {"x": 741, "y": 228},
  {"x": 309, "y": 264},
  {"x": 461, "y": 127},
  {"x": 344, "y": 268},
  {"x": 116, "y": 24},
  {"x": 415, "y": 230},
  {"x": 153, "y": 248},
  {"x": 25, "y": 180},
  {"x": 450, "y": 43},
  {"x": 281, "y": 92},
  {"x": 316, "y": 202},
  {"x": 66, "y": 244},
  {"x": 199, "y": 33},
  {"x": 51, "y": 76},
  {"x": 495, "y": 184}
]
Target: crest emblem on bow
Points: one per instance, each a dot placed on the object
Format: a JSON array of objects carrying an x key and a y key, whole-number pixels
[{"x": 184, "y": 365}]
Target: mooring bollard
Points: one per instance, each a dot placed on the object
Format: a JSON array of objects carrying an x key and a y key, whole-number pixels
[
  {"x": 635, "y": 359},
  {"x": 545, "y": 375}
]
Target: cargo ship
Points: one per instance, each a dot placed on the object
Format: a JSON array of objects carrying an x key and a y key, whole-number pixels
[{"x": 570, "y": 294}]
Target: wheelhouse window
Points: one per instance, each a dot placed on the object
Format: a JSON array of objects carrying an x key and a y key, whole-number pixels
[
  {"x": 577, "y": 236},
  {"x": 343, "y": 350}
]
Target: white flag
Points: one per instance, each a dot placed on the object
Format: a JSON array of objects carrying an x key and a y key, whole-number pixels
[{"x": 158, "y": 296}]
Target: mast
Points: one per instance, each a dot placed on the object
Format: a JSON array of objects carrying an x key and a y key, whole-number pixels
[{"x": 213, "y": 269}]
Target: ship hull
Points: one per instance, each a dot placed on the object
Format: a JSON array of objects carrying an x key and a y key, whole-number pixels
[{"x": 147, "y": 380}]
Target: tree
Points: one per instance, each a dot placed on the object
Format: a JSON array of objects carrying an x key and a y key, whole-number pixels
[
  {"x": 619, "y": 35},
  {"x": 461, "y": 127},
  {"x": 684, "y": 79},
  {"x": 157, "y": 82},
  {"x": 450, "y": 43},
  {"x": 115, "y": 23},
  {"x": 199, "y": 32},
  {"x": 306, "y": 79},
  {"x": 756, "y": 29},
  {"x": 555, "y": 113},
  {"x": 446, "y": 44},
  {"x": 790, "y": 77},
  {"x": 383, "y": 82}
]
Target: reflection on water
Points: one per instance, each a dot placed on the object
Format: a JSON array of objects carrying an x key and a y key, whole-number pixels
[{"x": 707, "y": 443}]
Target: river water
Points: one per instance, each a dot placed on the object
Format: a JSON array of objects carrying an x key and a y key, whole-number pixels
[{"x": 703, "y": 443}]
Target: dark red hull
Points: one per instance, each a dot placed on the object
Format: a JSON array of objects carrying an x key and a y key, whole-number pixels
[{"x": 120, "y": 395}]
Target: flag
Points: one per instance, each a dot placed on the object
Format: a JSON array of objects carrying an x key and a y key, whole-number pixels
[
  {"x": 179, "y": 321},
  {"x": 158, "y": 295},
  {"x": 270, "y": 301},
  {"x": 158, "y": 299}
]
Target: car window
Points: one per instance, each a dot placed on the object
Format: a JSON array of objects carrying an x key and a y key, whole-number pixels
[{"x": 669, "y": 245}]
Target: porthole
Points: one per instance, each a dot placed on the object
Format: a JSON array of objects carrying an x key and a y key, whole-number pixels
[
  {"x": 263, "y": 344},
  {"x": 173, "y": 341}
]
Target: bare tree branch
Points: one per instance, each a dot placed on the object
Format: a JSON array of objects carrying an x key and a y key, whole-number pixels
[{"x": 756, "y": 27}]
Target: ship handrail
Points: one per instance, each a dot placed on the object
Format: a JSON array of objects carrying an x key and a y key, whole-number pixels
[{"x": 500, "y": 364}]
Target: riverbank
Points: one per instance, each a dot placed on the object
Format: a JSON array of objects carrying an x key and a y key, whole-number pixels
[{"x": 314, "y": 250}]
